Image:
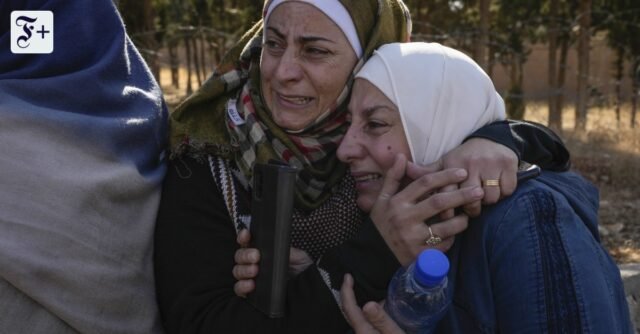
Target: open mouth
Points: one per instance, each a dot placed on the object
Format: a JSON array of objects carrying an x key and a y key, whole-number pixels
[
  {"x": 295, "y": 100},
  {"x": 368, "y": 177}
]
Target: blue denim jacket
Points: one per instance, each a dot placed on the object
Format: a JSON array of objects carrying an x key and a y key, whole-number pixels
[{"x": 533, "y": 263}]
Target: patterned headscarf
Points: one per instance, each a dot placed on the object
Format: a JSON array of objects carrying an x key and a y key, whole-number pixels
[{"x": 202, "y": 124}]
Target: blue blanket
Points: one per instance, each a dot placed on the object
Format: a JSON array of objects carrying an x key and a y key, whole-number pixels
[{"x": 82, "y": 137}]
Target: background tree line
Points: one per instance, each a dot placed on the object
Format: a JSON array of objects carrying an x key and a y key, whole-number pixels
[{"x": 493, "y": 32}]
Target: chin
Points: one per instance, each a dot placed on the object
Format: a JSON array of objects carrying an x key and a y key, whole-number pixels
[{"x": 290, "y": 124}]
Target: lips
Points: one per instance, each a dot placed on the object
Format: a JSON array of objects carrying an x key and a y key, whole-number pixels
[
  {"x": 360, "y": 177},
  {"x": 294, "y": 100}
]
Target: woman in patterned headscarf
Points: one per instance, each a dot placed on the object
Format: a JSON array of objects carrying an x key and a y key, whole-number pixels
[{"x": 281, "y": 94}]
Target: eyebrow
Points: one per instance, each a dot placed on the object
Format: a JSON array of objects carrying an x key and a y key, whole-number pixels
[
  {"x": 369, "y": 111},
  {"x": 302, "y": 39}
]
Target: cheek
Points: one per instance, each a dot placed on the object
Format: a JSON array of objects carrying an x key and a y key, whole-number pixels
[
  {"x": 385, "y": 156},
  {"x": 329, "y": 81},
  {"x": 268, "y": 66}
]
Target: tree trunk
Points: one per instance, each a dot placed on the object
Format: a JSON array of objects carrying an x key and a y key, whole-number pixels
[
  {"x": 174, "y": 64},
  {"x": 203, "y": 57},
  {"x": 196, "y": 59},
  {"x": 491, "y": 62},
  {"x": 562, "y": 74},
  {"x": 187, "y": 44},
  {"x": 555, "y": 116},
  {"x": 515, "y": 101},
  {"x": 635, "y": 92},
  {"x": 619, "y": 67},
  {"x": 482, "y": 42},
  {"x": 583, "y": 64}
]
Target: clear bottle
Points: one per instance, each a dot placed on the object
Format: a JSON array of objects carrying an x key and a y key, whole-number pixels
[{"x": 418, "y": 297}]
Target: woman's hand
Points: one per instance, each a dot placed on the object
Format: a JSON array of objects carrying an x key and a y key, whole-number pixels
[
  {"x": 299, "y": 261},
  {"x": 246, "y": 268},
  {"x": 371, "y": 319},
  {"x": 400, "y": 217},
  {"x": 484, "y": 160}
]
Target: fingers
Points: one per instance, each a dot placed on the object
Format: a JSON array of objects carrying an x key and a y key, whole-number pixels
[
  {"x": 431, "y": 182},
  {"x": 243, "y": 238},
  {"x": 299, "y": 261},
  {"x": 473, "y": 209},
  {"x": 508, "y": 182},
  {"x": 245, "y": 271},
  {"x": 247, "y": 256},
  {"x": 447, "y": 214},
  {"x": 485, "y": 160},
  {"x": 447, "y": 230},
  {"x": 393, "y": 178},
  {"x": 298, "y": 256},
  {"x": 244, "y": 287},
  {"x": 491, "y": 192},
  {"x": 380, "y": 319},
  {"x": 415, "y": 171},
  {"x": 444, "y": 201},
  {"x": 352, "y": 311}
]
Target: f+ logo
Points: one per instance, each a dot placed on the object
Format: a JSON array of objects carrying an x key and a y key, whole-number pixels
[{"x": 31, "y": 31}]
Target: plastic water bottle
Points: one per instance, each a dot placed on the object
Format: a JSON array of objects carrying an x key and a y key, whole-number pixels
[{"x": 417, "y": 297}]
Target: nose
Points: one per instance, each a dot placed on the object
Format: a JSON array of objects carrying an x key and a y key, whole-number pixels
[
  {"x": 289, "y": 67},
  {"x": 350, "y": 148}
]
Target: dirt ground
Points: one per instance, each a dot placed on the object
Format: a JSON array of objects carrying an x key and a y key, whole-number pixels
[{"x": 608, "y": 154}]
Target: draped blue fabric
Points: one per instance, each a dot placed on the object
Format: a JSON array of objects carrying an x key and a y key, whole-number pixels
[
  {"x": 94, "y": 84},
  {"x": 82, "y": 137}
]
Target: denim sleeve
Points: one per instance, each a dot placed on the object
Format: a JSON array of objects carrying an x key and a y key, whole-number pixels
[{"x": 548, "y": 272}]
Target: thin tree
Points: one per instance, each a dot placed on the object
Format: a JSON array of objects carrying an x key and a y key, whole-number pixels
[
  {"x": 584, "y": 38},
  {"x": 482, "y": 43},
  {"x": 555, "y": 115}
]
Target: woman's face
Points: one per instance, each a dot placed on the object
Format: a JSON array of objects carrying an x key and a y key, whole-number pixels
[
  {"x": 306, "y": 61},
  {"x": 373, "y": 140}
]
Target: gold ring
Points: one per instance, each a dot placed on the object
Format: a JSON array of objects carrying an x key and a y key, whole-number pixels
[
  {"x": 491, "y": 183},
  {"x": 433, "y": 239}
]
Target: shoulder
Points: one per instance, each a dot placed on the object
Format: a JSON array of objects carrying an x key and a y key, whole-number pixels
[
  {"x": 550, "y": 197},
  {"x": 188, "y": 179}
]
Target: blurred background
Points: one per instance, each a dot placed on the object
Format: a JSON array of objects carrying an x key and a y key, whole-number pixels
[{"x": 573, "y": 65}]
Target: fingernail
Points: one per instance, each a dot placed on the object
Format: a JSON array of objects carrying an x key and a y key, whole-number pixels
[
  {"x": 461, "y": 173},
  {"x": 347, "y": 278},
  {"x": 477, "y": 192}
]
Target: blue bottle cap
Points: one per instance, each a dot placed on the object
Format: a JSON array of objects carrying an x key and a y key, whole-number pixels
[{"x": 431, "y": 267}]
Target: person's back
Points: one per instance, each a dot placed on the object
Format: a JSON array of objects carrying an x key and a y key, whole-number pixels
[
  {"x": 82, "y": 130},
  {"x": 534, "y": 263}
]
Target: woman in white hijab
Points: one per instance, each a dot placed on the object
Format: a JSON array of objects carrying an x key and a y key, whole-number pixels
[{"x": 532, "y": 262}]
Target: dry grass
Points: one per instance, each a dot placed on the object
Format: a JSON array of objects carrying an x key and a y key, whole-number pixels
[{"x": 608, "y": 154}]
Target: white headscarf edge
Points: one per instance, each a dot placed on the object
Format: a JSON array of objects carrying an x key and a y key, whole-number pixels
[{"x": 438, "y": 111}]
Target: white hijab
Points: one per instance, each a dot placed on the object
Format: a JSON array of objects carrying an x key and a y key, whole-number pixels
[{"x": 442, "y": 94}]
